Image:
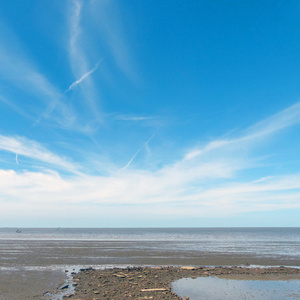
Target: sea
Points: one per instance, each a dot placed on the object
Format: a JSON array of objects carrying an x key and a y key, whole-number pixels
[{"x": 35, "y": 261}]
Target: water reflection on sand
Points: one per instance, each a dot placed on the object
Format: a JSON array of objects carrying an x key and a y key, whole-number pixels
[{"x": 214, "y": 288}]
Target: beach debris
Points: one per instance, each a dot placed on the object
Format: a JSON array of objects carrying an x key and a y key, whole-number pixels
[
  {"x": 65, "y": 287},
  {"x": 188, "y": 268},
  {"x": 120, "y": 275},
  {"x": 96, "y": 292},
  {"x": 144, "y": 283},
  {"x": 154, "y": 290}
]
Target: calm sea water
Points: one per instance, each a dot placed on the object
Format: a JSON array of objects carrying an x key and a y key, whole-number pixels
[
  {"x": 228, "y": 289},
  {"x": 29, "y": 256}
]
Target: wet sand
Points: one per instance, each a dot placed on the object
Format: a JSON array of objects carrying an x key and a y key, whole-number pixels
[
  {"x": 28, "y": 284},
  {"x": 155, "y": 282},
  {"x": 36, "y": 260}
]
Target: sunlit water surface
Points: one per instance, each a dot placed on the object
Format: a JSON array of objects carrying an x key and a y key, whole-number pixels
[{"x": 214, "y": 288}]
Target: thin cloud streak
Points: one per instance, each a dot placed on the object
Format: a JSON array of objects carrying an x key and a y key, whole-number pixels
[
  {"x": 108, "y": 20},
  {"x": 132, "y": 118},
  {"x": 77, "y": 82},
  {"x": 15, "y": 107},
  {"x": 137, "y": 152},
  {"x": 75, "y": 26},
  {"x": 34, "y": 150},
  {"x": 18, "y": 70},
  {"x": 265, "y": 128},
  {"x": 78, "y": 60}
]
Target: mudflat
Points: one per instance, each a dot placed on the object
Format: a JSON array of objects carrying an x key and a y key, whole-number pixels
[{"x": 155, "y": 282}]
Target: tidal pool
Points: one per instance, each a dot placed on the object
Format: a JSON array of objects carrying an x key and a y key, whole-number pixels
[{"x": 214, "y": 288}]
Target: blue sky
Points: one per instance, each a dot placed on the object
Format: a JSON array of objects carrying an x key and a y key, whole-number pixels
[{"x": 149, "y": 113}]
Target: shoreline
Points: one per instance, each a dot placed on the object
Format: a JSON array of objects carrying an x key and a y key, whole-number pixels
[{"x": 155, "y": 282}]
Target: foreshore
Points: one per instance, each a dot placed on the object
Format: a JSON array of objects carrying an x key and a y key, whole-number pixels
[{"x": 155, "y": 282}]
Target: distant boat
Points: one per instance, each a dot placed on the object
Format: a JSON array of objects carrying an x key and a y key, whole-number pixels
[{"x": 18, "y": 231}]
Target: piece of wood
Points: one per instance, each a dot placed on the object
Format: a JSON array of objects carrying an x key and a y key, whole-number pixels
[
  {"x": 153, "y": 290},
  {"x": 188, "y": 268}
]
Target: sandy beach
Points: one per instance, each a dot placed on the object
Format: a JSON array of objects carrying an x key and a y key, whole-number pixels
[
  {"x": 155, "y": 282},
  {"x": 38, "y": 261}
]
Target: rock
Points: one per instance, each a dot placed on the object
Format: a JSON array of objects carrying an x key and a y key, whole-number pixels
[
  {"x": 65, "y": 287},
  {"x": 96, "y": 292}
]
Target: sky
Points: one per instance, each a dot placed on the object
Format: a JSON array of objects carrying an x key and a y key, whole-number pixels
[{"x": 149, "y": 113}]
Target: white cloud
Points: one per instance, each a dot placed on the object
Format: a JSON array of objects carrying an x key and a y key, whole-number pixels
[
  {"x": 34, "y": 150},
  {"x": 204, "y": 183}
]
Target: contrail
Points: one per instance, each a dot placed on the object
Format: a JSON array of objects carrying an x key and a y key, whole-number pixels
[
  {"x": 17, "y": 159},
  {"x": 138, "y": 151},
  {"x": 74, "y": 84},
  {"x": 132, "y": 158}
]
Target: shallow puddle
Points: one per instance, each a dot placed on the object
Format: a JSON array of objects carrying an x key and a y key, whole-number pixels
[{"x": 214, "y": 288}]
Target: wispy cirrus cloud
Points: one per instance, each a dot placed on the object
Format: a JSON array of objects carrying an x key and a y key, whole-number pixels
[
  {"x": 132, "y": 118},
  {"x": 33, "y": 150},
  {"x": 79, "y": 61},
  {"x": 254, "y": 134},
  {"x": 18, "y": 70},
  {"x": 199, "y": 184},
  {"x": 15, "y": 107},
  {"x": 107, "y": 18}
]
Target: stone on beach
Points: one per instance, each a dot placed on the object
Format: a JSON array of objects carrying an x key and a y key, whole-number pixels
[
  {"x": 155, "y": 283},
  {"x": 65, "y": 287}
]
